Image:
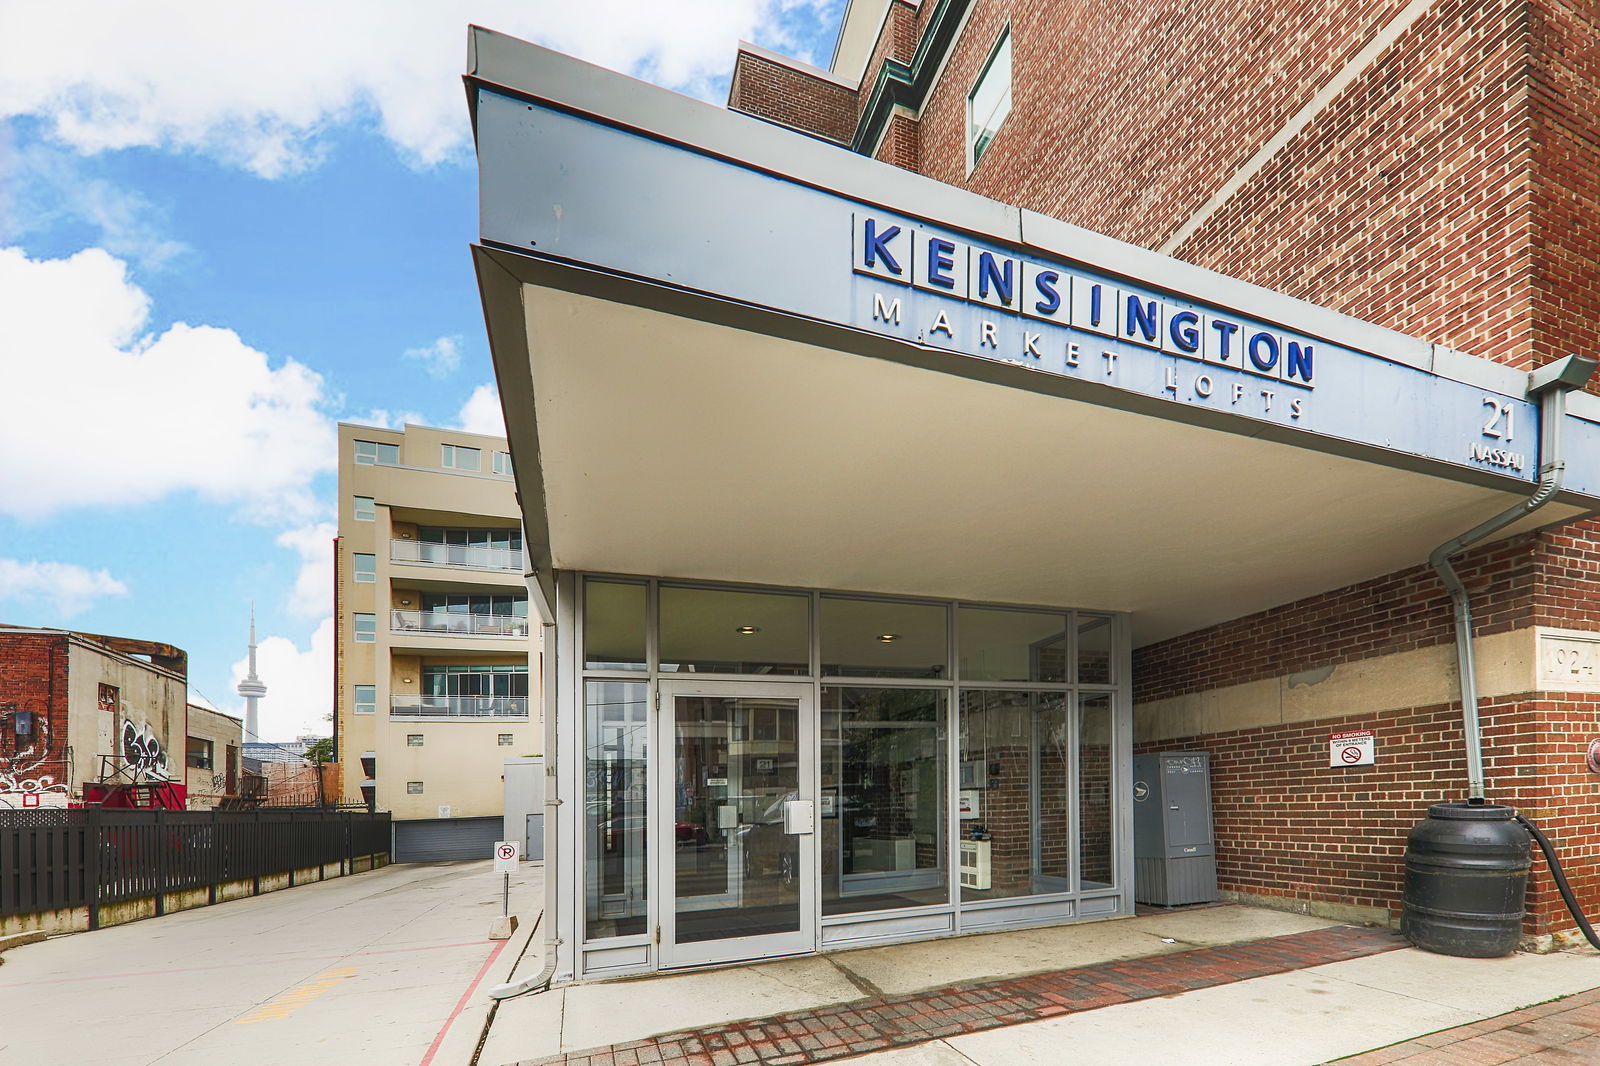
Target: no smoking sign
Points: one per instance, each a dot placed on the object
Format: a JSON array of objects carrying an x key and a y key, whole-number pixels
[{"x": 1358, "y": 748}]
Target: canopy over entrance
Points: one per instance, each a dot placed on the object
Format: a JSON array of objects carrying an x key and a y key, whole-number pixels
[{"x": 729, "y": 352}]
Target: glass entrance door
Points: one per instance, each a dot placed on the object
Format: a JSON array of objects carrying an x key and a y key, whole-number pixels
[{"x": 737, "y": 859}]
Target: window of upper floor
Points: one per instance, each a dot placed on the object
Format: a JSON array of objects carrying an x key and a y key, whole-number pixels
[
  {"x": 455, "y": 457},
  {"x": 366, "y": 628},
  {"x": 365, "y": 509},
  {"x": 366, "y": 699},
  {"x": 366, "y": 568},
  {"x": 199, "y": 753},
  {"x": 989, "y": 102},
  {"x": 509, "y": 606},
  {"x": 371, "y": 451},
  {"x": 506, "y": 539},
  {"x": 501, "y": 463}
]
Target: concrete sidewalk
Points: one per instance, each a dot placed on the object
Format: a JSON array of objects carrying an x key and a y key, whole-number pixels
[
  {"x": 378, "y": 968},
  {"x": 1205, "y": 987}
]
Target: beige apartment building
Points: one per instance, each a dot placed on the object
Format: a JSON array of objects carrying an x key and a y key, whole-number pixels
[{"x": 433, "y": 670}]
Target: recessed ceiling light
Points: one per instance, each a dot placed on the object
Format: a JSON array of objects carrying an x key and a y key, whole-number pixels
[
  {"x": 888, "y": 638},
  {"x": 748, "y": 631}
]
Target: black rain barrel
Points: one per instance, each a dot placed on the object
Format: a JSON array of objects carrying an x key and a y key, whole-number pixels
[{"x": 1466, "y": 878}]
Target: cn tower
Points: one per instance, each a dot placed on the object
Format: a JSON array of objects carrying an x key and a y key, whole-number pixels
[{"x": 252, "y": 689}]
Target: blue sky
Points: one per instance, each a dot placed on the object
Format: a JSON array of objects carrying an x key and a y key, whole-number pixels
[{"x": 220, "y": 237}]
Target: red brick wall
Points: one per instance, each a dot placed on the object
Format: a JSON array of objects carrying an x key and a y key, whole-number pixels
[
  {"x": 1407, "y": 202},
  {"x": 1289, "y": 826},
  {"x": 900, "y": 143},
  {"x": 1566, "y": 592},
  {"x": 792, "y": 97},
  {"x": 33, "y": 677},
  {"x": 1110, "y": 94},
  {"x": 1566, "y": 175},
  {"x": 1401, "y": 612}
]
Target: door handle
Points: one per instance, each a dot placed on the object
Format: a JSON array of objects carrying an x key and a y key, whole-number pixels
[{"x": 798, "y": 817}]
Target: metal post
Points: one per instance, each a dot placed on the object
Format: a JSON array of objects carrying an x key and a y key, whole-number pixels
[
  {"x": 161, "y": 861},
  {"x": 215, "y": 873},
  {"x": 94, "y": 843},
  {"x": 505, "y": 897}
]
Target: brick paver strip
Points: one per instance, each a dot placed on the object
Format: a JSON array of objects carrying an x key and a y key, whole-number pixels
[{"x": 873, "y": 1024}]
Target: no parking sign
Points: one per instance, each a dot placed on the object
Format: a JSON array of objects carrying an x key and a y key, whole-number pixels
[{"x": 506, "y": 854}]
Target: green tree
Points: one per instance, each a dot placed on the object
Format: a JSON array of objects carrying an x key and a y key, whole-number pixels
[{"x": 320, "y": 751}]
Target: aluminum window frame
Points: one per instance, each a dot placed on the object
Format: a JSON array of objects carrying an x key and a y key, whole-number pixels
[
  {"x": 450, "y": 454},
  {"x": 1118, "y": 689},
  {"x": 1003, "y": 42},
  {"x": 372, "y": 453}
]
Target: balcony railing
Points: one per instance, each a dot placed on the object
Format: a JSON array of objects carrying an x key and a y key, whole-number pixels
[
  {"x": 458, "y": 707},
  {"x": 468, "y": 556},
  {"x": 465, "y": 625}
]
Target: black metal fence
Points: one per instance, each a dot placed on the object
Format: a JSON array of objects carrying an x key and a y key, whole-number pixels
[{"x": 56, "y": 859}]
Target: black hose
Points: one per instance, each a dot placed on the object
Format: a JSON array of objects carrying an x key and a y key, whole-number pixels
[{"x": 1561, "y": 879}]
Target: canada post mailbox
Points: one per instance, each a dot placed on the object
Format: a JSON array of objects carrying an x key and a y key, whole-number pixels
[{"x": 1175, "y": 856}]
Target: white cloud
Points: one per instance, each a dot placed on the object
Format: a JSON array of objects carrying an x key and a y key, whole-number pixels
[
  {"x": 312, "y": 594},
  {"x": 440, "y": 358},
  {"x": 66, "y": 588},
  {"x": 299, "y": 685},
  {"x": 259, "y": 87},
  {"x": 127, "y": 416},
  {"x": 45, "y": 187},
  {"x": 482, "y": 414}
]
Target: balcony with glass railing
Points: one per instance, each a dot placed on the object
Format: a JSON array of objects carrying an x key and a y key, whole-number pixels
[
  {"x": 465, "y": 556},
  {"x": 458, "y": 708},
  {"x": 461, "y": 625}
]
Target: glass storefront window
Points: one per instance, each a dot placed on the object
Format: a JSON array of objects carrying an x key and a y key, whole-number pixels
[
  {"x": 999, "y": 645},
  {"x": 616, "y": 732},
  {"x": 1015, "y": 800},
  {"x": 1096, "y": 781},
  {"x": 613, "y": 626},
  {"x": 944, "y": 756},
  {"x": 874, "y": 638},
  {"x": 723, "y": 631},
  {"x": 1094, "y": 650},
  {"x": 883, "y": 801}
]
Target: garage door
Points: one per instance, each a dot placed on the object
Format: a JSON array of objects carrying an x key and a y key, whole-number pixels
[{"x": 441, "y": 839}]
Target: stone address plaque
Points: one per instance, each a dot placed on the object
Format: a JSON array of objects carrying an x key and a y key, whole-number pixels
[{"x": 1569, "y": 660}]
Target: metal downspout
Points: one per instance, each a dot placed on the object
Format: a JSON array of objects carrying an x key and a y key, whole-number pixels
[
  {"x": 552, "y": 800},
  {"x": 1550, "y": 384}
]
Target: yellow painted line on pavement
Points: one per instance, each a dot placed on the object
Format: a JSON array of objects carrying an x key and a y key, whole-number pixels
[{"x": 286, "y": 1004}]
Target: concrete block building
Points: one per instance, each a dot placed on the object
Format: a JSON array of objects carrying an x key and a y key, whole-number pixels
[
  {"x": 433, "y": 672},
  {"x": 905, "y": 447},
  {"x": 213, "y": 742},
  {"x": 76, "y": 706}
]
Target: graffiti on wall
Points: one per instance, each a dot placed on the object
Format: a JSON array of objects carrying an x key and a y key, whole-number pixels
[
  {"x": 27, "y": 762},
  {"x": 142, "y": 750}
]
